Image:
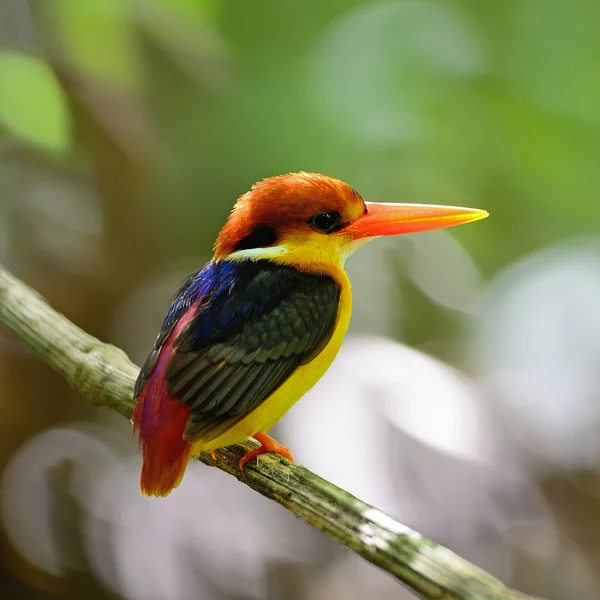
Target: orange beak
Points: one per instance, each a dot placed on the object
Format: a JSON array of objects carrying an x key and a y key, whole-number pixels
[{"x": 394, "y": 219}]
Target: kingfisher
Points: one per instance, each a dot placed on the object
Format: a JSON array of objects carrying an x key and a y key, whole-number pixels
[{"x": 252, "y": 331}]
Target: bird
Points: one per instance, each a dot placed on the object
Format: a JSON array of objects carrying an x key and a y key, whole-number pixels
[{"x": 247, "y": 335}]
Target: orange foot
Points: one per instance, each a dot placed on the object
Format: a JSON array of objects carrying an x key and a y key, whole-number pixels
[
  {"x": 212, "y": 455},
  {"x": 267, "y": 444}
]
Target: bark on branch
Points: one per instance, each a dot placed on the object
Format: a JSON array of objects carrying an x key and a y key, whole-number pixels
[{"x": 103, "y": 375}]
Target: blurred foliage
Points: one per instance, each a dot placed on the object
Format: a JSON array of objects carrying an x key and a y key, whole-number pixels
[
  {"x": 128, "y": 128},
  {"x": 32, "y": 104}
]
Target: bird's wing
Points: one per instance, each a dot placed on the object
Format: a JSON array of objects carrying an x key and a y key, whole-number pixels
[
  {"x": 246, "y": 339},
  {"x": 189, "y": 294}
]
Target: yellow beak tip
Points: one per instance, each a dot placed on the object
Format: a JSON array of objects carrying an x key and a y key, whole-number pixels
[{"x": 480, "y": 214}]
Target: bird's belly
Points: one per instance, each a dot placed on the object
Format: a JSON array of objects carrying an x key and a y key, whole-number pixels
[{"x": 302, "y": 380}]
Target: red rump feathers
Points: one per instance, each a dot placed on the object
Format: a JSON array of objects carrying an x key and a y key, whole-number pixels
[{"x": 160, "y": 421}]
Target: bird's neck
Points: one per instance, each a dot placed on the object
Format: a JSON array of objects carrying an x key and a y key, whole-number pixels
[
  {"x": 306, "y": 260},
  {"x": 320, "y": 255}
]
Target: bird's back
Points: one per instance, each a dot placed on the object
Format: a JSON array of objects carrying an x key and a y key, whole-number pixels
[{"x": 240, "y": 345}]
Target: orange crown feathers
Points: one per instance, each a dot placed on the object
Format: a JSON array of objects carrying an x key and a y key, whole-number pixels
[{"x": 282, "y": 203}]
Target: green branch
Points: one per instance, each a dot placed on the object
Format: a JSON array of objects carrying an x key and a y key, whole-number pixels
[{"x": 103, "y": 375}]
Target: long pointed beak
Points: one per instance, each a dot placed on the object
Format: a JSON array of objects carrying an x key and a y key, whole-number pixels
[{"x": 394, "y": 219}]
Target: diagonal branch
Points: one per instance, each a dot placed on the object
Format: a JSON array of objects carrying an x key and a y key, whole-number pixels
[{"x": 104, "y": 376}]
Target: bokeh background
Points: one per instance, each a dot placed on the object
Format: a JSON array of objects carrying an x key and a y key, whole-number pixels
[{"x": 466, "y": 401}]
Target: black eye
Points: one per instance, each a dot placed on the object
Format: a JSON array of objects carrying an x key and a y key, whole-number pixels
[{"x": 327, "y": 221}]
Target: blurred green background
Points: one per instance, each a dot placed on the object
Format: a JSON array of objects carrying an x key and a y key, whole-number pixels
[{"x": 127, "y": 131}]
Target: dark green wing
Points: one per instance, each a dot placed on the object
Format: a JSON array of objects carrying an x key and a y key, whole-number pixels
[{"x": 273, "y": 319}]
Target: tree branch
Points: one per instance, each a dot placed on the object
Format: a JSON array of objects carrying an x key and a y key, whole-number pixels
[{"x": 103, "y": 375}]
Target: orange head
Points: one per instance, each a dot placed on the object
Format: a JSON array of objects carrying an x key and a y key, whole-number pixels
[{"x": 307, "y": 219}]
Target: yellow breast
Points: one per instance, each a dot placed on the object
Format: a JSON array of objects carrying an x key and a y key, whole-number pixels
[{"x": 302, "y": 380}]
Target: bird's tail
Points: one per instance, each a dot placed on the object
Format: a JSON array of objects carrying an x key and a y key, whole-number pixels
[{"x": 160, "y": 420}]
